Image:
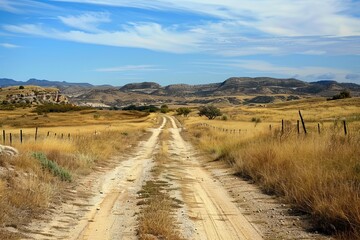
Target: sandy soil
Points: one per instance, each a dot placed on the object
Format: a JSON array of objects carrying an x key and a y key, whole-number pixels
[
  {"x": 208, "y": 204},
  {"x": 104, "y": 205},
  {"x": 110, "y": 212}
]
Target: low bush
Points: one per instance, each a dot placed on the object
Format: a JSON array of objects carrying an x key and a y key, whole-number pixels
[
  {"x": 150, "y": 108},
  {"x": 53, "y": 167},
  {"x": 51, "y": 107}
]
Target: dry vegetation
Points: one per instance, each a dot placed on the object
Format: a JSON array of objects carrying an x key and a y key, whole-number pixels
[
  {"x": 29, "y": 186},
  {"x": 156, "y": 218},
  {"x": 27, "y": 89},
  {"x": 318, "y": 174}
]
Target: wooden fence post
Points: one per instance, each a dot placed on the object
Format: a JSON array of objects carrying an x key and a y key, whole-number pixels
[
  {"x": 302, "y": 122},
  {"x": 4, "y": 137},
  {"x": 69, "y": 136},
  {"x": 48, "y": 133},
  {"x": 10, "y": 139},
  {"x": 21, "y": 136},
  {"x": 270, "y": 127},
  {"x": 282, "y": 126},
  {"x": 298, "y": 126},
  {"x": 319, "y": 128},
  {"x": 36, "y": 133},
  {"x": 345, "y": 129}
]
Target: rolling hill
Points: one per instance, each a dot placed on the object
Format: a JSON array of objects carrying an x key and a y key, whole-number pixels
[{"x": 257, "y": 90}]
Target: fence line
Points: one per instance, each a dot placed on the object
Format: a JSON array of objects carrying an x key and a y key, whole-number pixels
[
  {"x": 226, "y": 130},
  {"x": 282, "y": 129},
  {"x": 8, "y": 137}
]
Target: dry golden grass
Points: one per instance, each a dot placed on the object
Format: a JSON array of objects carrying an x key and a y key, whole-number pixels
[
  {"x": 319, "y": 173},
  {"x": 25, "y": 118},
  {"x": 317, "y": 109},
  {"x": 27, "y": 189},
  {"x": 156, "y": 219},
  {"x": 27, "y": 89}
]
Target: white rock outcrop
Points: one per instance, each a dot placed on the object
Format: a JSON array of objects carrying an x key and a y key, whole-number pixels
[{"x": 7, "y": 150}]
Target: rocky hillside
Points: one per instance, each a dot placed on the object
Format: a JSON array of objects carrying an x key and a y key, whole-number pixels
[
  {"x": 259, "y": 90},
  {"x": 33, "y": 95}
]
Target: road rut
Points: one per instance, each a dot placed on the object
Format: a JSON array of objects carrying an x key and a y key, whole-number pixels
[{"x": 111, "y": 212}]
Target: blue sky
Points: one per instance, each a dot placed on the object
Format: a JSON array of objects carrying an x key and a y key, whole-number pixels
[{"x": 183, "y": 41}]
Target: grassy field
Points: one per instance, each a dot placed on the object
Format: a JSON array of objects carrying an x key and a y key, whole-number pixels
[
  {"x": 319, "y": 174},
  {"x": 29, "y": 184}
]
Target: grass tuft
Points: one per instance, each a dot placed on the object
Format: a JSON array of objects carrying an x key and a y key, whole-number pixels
[{"x": 53, "y": 167}]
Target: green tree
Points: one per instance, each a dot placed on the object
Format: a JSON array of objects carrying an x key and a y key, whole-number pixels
[
  {"x": 164, "y": 108},
  {"x": 210, "y": 111},
  {"x": 343, "y": 94},
  {"x": 183, "y": 111},
  {"x": 21, "y": 87}
]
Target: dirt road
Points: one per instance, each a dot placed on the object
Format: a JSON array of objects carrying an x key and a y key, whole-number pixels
[
  {"x": 208, "y": 212},
  {"x": 214, "y": 214}
]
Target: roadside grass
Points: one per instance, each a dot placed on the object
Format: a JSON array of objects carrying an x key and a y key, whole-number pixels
[
  {"x": 156, "y": 219},
  {"x": 319, "y": 174},
  {"x": 317, "y": 110},
  {"x": 26, "y": 118},
  {"x": 28, "y": 187}
]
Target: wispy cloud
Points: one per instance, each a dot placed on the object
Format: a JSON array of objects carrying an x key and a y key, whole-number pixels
[
  {"x": 23, "y": 6},
  {"x": 266, "y": 67},
  {"x": 9, "y": 45},
  {"x": 130, "y": 68},
  {"x": 310, "y": 73},
  {"x": 150, "y": 36},
  {"x": 278, "y": 27},
  {"x": 278, "y": 17},
  {"x": 87, "y": 21},
  {"x": 219, "y": 39}
]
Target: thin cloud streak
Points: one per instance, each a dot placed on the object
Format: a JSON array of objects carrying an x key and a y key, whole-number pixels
[
  {"x": 9, "y": 45},
  {"x": 309, "y": 73},
  {"x": 87, "y": 21},
  {"x": 218, "y": 40},
  {"x": 278, "y": 17},
  {"x": 259, "y": 67},
  {"x": 150, "y": 36},
  {"x": 130, "y": 68},
  {"x": 24, "y": 6},
  {"x": 267, "y": 67}
]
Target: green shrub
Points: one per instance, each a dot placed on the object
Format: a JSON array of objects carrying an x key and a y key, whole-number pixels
[
  {"x": 256, "y": 120},
  {"x": 52, "y": 166},
  {"x": 211, "y": 112},
  {"x": 183, "y": 111},
  {"x": 50, "y": 107},
  {"x": 164, "y": 108},
  {"x": 342, "y": 95},
  {"x": 150, "y": 108}
]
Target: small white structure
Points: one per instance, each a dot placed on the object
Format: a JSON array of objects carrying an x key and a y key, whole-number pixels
[{"x": 7, "y": 150}]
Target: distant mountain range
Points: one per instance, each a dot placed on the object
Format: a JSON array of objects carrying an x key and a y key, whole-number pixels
[
  {"x": 6, "y": 82},
  {"x": 153, "y": 93}
]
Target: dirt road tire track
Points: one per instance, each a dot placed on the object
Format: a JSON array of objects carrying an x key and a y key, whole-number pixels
[
  {"x": 214, "y": 213},
  {"x": 111, "y": 220},
  {"x": 110, "y": 213}
]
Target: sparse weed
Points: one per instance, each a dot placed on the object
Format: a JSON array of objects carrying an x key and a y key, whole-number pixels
[
  {"x": 53, "y": 167},
  {"x": 318, "y": 174},
  {"x": 26, "y": 190}
]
